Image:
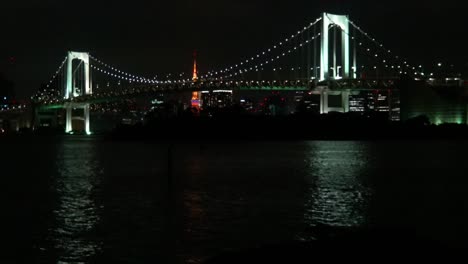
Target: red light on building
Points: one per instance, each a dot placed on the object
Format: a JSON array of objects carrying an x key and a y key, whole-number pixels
[{"x": 195, "y": 99}]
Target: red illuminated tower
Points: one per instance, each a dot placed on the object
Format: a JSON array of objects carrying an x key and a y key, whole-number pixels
[
  {"x": 195, "y": 75},
  {"x": 196, "y": 96}
]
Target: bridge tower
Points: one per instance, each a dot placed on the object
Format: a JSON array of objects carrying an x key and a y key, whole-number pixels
[
  {"x": 72, "y": 91},
  {"x": 341, "y": 21}
]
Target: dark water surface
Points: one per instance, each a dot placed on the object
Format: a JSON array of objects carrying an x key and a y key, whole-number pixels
[{"x": 83, "y": 199}]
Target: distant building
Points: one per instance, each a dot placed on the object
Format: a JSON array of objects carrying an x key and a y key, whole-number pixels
[
  {"x": 268, "y": 102},
  {"x": 157, "y": 104},
  {"x": 217, "y": 99},
  {"x": 308, "y": 103},
  {"x": 384, "y": 102},
  {"x": 439, "y": 103}
]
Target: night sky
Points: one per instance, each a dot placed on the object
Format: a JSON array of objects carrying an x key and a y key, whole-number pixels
[{"x": 155, "y": 37}]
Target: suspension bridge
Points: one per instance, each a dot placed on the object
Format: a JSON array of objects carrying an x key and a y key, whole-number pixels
[{"x": 330, "y": 57}]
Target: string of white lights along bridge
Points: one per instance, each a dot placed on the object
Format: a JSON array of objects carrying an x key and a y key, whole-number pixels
[
  {"x": 268, "y": 62},
  {"x": 393, "y": 62},
  {"x": 261, "y": 54},
  {"x": 122, "y": 75},
  {"x": 377, "y": 55},
  {"x": 119, "y": 73},
  {"x": 56, "y": 72},
  {"x": 381, "y": 46}
]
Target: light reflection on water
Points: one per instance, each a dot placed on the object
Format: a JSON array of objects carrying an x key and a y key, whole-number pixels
[
  {"x": 337, "y": 194},
  {"x": 226, "y": 196},
  {"x": 252, "y": 194},
  {"x": 76, "y": 213},
  {"x": 232, "y": 196}
]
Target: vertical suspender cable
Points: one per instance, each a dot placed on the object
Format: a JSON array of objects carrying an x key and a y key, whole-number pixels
[
  {"x": 315, "y": 52},
  {"x": 308, "y": 58},
  {"x": 335, "y": 70},
  {"x": 354, "y": 55}
]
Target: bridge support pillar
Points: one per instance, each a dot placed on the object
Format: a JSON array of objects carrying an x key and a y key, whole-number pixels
[
  {"x": 86, "y": 119},
  {"x": 345, "y": 98},
  {"x": 69, "y": 116},
  {"x": 324, "y": 102},
  {"x": 68, "y": 119}
]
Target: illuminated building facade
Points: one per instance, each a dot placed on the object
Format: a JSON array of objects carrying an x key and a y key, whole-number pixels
[
  {"x": 275, "y": 103},
  {"x": 196, "y": 101},
  {"x": 217, "y": 99},
  {"x": 383, "y": 102}
]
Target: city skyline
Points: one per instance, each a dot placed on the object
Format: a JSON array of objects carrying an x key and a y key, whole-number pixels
[{"x": 209, "y": 27}]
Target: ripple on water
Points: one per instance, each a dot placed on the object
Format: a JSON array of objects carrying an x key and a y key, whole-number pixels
[
  {"x": 76, "y": 212},
  {"x": 337, "y": 195}
]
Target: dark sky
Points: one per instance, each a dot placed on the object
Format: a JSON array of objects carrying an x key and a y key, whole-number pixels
[{"x": 153, "y": 37}]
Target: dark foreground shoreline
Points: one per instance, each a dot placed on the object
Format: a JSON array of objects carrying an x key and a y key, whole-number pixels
[
  {"x": 331, "y": 127},
  {"x": 285, "y": 129}
]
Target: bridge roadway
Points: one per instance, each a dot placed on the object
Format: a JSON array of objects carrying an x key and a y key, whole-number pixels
[
  {"x": 119, "y": 93},
  {"x": 344, "y": 88}
]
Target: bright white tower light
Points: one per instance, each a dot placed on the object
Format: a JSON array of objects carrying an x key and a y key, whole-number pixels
[
  {"x": 71, "y": 92},
  {"x": 342, "y": 22}
]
